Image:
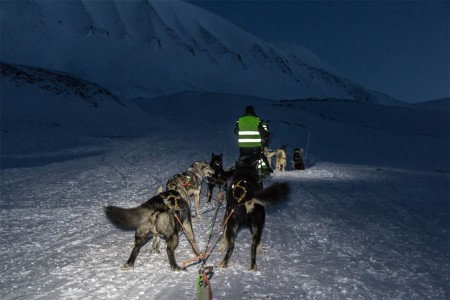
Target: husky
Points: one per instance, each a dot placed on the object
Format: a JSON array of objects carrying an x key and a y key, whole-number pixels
[
  {"x": 280, "y": 159},
  {"x": 190, "y": 183},
  {"x": 163, "y": 215},
  {"x": 246, "y": 201},
  {"x": 269, "y": 154},
  {"x": 220, "y": 176},
  {"x": 298, "y": 160}
]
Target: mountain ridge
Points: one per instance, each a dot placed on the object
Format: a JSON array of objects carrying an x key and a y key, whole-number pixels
[{"x": 153, "y": 48}]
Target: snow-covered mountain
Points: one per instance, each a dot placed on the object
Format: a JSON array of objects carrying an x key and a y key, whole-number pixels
[{"x": 151, "y": 48}]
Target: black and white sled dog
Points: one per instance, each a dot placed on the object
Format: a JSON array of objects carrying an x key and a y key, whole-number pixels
[
  {"x": 246, "y": 200},
  {"x": 159, "y": 216},
  {"x": 220, "y": 176},
  {"x": 190, "y": 182},
  {"x": 298, "y": 160}
]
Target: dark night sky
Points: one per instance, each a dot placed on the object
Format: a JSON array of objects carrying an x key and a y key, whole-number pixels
[{"x": 397, "y": 47}]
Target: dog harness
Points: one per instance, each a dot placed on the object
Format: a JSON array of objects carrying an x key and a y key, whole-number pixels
[
  {"x": 236, "y": 186},
  {"x": 171, "y": 201},
  {"x": 182, "y": 178}
]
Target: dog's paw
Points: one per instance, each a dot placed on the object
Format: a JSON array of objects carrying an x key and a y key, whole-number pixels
[
  {"x": 126, "y": 267},
  {"x": 254, "y": 268},
  {"x": 222, "y": 265},
  {"x": 197, "y": 218},
  {"x": 155, "y": 251},
  {"x": 176, "y": 268}
]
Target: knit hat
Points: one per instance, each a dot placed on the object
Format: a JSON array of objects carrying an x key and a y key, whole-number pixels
[{"x": 249, "y": 110}]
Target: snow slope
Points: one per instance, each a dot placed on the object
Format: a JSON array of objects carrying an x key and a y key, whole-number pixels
[
  {"x": 368, "y": 219},
  {"x": 438, "y": 104},
  {"x": 150, "y": 48},
  {"x": 46, "y": 110}
]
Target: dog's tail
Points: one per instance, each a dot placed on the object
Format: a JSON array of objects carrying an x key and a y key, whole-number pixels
[
  {"x": 272, "y": 194},
  {"x": 125, "y": 217}
]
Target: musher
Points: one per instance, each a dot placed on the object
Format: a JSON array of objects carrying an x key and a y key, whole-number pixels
[{"x": 251, "y": 136}]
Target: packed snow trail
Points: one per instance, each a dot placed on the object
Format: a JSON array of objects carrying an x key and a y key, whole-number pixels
[{"x": 346, "y": 232}]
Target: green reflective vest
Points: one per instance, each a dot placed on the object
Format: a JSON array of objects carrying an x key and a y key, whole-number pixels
[{"x": 248, "y": 132}]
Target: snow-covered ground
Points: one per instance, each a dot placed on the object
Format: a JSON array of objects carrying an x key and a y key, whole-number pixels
[{"x": 368, "y": 219}]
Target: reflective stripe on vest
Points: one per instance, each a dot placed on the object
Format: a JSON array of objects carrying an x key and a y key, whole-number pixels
[{"x": 248, "y": 132}]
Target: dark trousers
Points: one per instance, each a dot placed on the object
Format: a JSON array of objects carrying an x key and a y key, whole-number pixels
[{"x": 255, "y": 154}]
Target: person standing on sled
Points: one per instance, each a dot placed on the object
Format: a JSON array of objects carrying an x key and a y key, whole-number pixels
[{"x": 251, "y": 135}]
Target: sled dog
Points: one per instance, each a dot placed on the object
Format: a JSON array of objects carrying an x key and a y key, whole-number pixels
[
  {"x": 298, "y": 160},
  {"x": 190, "y": 182},
  {"x": 246, "y": 200},
  {"x": 269, "y": 154},
  {"x": 280, "y": 159},
  {"x": 154, "y": 218},
  {"x": 220, "y": 176}
]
